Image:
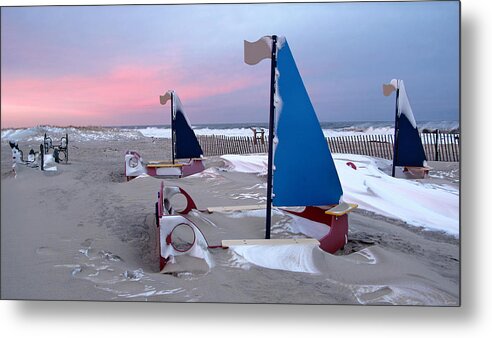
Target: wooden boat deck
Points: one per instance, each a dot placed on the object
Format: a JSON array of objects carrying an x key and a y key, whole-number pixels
[
  {"x": 161, "y": 164},
  {"x": 283, "y": 241},
  {"x": 341, "y": 209}
]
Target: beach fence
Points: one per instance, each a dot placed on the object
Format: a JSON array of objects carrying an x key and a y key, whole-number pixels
[
  {"x": 214, "y": 145},
  {"x": 437, "y": 146}
]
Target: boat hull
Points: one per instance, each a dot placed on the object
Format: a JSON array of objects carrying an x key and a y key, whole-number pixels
[
  {"x": 177, "y": 236},
  {"x": 334, "y": 240},
  {"x": 135, "y": 166},
  {"x": 337, "y": 237}
]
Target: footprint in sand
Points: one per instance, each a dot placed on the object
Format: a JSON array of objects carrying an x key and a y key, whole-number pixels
[
  {"x": 87, "y": 243},
  {"x": 46, "y": 251}
]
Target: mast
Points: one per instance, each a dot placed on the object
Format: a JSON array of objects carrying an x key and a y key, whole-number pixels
[
  {"x": 41, "y": 151},
  {"x": 270, "y": 139},
  {"x": 173, "y": 116},
  {"x": 395, "y": 146}
]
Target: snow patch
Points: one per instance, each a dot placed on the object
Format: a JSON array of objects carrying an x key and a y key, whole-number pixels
[
  {"x": 422, "y": 204},
  {"x": 289, "y": 257}
]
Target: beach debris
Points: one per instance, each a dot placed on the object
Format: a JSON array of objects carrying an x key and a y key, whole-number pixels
[
  {"x": 134, "y": 275},
  {"x": 109, "y": 256},
  {"x": 352, "y": 165}
]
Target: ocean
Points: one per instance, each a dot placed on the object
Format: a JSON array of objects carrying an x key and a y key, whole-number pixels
[{"x": 330, "y": 129}]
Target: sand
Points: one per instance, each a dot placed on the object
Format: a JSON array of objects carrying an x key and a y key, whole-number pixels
[{"x": 84, "y": 233}]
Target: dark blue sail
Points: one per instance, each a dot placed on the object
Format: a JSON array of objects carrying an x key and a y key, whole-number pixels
[
  {"x": 185, "y": 142},
  {"x": 409, "y": 149},
  {"x": 304, "y": 174}
]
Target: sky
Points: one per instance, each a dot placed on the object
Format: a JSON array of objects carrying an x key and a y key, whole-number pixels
[{"x": 107, "y": 65}]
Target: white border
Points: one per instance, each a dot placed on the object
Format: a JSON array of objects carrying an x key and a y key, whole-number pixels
[{"x": 88, "y": 319}]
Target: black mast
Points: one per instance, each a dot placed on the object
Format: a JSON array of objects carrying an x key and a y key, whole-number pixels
[
  {"x": 172, "y": 126},
  {"x": 41, "y": 152},
  {"x": 395, "y": 146},
  {"x": 270, "y": 139}
]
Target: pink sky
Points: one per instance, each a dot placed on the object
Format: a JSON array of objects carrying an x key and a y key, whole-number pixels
[
  {"x": 107, "y": 65},
  {"x": 104, "y": 99}
]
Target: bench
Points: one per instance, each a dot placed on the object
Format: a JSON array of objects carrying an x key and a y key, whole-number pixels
[{"x": 61, "y": 148}]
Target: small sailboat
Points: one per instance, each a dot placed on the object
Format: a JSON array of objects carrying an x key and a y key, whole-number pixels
[
  {"x": 408, "y": 151},
  {"x": 294, "y": 129},
  {"x": 187, "y": 155},
  {"x": 177, "y": 236}
]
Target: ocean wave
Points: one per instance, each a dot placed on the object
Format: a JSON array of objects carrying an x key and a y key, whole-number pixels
[
  {"x": 333, "y": 129},
  {"x": 165, "y": 132},
  {"x": 36, "y": 134},
  {"x": 330, "y": 129}
]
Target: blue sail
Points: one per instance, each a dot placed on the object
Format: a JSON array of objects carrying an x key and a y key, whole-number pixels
[
  {"x": 409, "y": 148},
  {"x": 186, "y": 143},
  {"x": 410, "y": 151},
  {"x": 304, "y": 171}
]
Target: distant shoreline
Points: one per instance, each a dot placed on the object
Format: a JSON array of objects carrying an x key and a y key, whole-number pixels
[{"x": 324, "y": 124}]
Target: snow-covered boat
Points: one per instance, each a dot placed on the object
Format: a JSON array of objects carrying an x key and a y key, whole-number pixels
[
  {"x": 312, "y": 184},
  {"x": 187, "y": 155},
  {"x": 408, "y": 151}
]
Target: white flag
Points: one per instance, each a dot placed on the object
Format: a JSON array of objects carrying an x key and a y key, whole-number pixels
[
  {"x": 254, "y": 52},
  {"x": 166, "y": 97},
  {"x": 403, "y": 102}
]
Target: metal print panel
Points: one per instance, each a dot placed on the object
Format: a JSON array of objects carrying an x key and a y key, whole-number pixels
[{"x": 96, "y": 206}]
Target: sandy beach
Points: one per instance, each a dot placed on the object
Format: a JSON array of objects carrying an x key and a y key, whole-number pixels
[{"x": 84, "y": 233}]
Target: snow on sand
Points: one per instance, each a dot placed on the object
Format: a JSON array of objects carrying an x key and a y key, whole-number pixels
[{"x": 416, "y": 202}]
